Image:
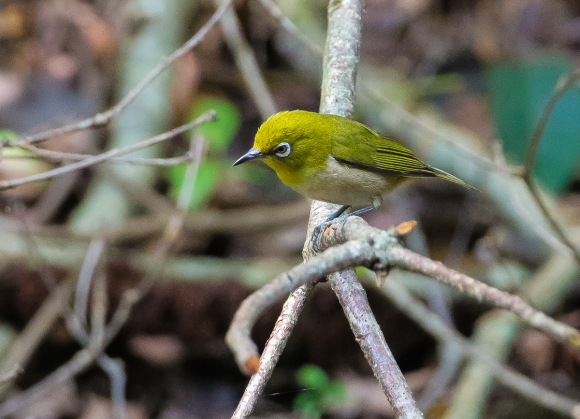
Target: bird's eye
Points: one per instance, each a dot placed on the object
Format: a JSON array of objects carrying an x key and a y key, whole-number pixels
[{"x": 282, "y": 149}]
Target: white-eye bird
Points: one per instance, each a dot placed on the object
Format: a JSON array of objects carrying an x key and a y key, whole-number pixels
[{"x": 334, "y": 159}]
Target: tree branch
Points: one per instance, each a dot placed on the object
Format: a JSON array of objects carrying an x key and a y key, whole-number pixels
[
  {"x": 521, "y": 384},
  {"x": 103, "y": 118},
  {"x": 100, "y": 158},
  {"x": 354, "y": 243}
]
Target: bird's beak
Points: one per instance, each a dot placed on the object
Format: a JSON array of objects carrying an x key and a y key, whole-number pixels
[{"x": 250, "y": 155}]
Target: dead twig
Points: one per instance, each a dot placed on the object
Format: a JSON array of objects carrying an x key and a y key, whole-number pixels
[
  {"x": 563, "y": 86},
  {"x": 103, "y": 118},
  {"x": 433, "y": 324},
  {"x": 91, "y": 161},
  {"x": 354, "y": 243}
]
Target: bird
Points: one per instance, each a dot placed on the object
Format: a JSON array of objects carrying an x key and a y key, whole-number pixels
[{"x": 337, "y": 160}]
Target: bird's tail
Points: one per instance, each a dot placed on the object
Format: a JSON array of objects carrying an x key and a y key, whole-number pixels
[{"x": 451, "y": 178}]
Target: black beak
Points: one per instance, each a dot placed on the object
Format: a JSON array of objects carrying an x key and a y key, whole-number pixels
[{"x": 250, "y": 155}]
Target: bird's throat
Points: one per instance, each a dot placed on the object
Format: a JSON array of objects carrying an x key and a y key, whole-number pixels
[{"x": 287, "y": 174}]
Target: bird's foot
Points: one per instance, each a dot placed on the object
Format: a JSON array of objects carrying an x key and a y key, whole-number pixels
[{"x": 337, "y": 217}]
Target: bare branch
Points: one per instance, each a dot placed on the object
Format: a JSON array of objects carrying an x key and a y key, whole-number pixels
[
  {"x": 562, "y": 87},
  {"x": 274, "y": 347},
  {"x": 104, "y": 117},
  {"x": 511, "y": 379},
  {"x": 77, "y": 321},
  {"x": 59, "y": 156},
  {"x": 246, "y": 62},
  {"x": 412, "y": 262},
  {"x": 368, "y": 334},
  {"x": 91, "y": 161},
  {"x": 354, "y": 243}
]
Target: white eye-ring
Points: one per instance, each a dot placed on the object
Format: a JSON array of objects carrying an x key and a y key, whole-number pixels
[{"x": 282, "y": 149}]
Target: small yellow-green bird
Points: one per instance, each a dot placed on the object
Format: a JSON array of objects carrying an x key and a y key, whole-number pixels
[{"x": 334, "y": 159}]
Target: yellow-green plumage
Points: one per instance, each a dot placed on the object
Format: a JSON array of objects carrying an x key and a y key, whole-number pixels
[{"x": 335, "y": 159}]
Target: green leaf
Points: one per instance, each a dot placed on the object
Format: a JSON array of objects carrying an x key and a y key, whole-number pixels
[
  {"x": 335, "y": 392},
  {"x": 217, "y": 134},
  {"x": 310, "y": 405},
  {"x": 6, "y": 134},
  {"x": 312, "y": 376},
  {"x": 320, "y": 392},
  {"x": 205, "y": 181}
]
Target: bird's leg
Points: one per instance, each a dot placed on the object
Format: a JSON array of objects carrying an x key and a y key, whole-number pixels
[
  {"x": 340, "y": 215},
  {"x": 357, "y": 212},
  {"x": 321, "y": 228}
]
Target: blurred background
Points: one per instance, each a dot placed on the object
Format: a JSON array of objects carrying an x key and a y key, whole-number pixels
[{"x": 476, "y": 76}]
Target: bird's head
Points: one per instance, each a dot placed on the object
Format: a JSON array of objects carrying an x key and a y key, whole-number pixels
[{"x": 288, "y": 142}]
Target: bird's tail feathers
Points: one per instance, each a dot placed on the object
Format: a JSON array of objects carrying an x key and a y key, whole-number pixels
[{"x": 451, "y": 178}]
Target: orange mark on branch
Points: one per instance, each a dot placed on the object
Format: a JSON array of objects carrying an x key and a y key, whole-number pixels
[
  {"x": 575, "y": 339},
  {"x": 406, "y": 227},
  {"x": 252, "y": 365}
]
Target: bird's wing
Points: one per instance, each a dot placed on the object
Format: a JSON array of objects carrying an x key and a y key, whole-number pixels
[{"x": 364, "y": 148}]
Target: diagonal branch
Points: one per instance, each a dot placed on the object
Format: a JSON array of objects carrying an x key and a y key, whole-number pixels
[
  {"x": 433, "y": 324},
  {"x": 354, "y": 243},
  {"x": 103, "y": 118},
  {"x": 100, "y": 158}
]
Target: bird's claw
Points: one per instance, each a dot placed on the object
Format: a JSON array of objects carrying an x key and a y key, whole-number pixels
[{"x": 318, "y": 231}]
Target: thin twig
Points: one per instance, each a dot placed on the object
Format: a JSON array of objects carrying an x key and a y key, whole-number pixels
[
  {"x": 91, "y": 161},
  {"x": 433, "y": 324},
  {"x": 79, "y": 362},
  {"x": 59, "y": 156},
  {"x": 171, "y": 233},
  {"x": 29, "y": 339},
  {"x": 78, "y": 319},
  {"x": 561, "y": 234},
  {"x": 247, "y": 63},
  {"x": 412, "y": 262},
  {"x": 562, "y": 87},
  {"x": 289, "y": 26},
  {"x": 115, "y": 369},
  {"x": 274, "y": 347},
  {"x": 95, "y": 341},
  {"x": 104, "y": 117}
]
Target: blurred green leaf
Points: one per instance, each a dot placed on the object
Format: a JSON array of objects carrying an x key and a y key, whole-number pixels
[
  {"x": 335, "y": 392},
  {"x": 206, "y": 179},
  {"x": 320, "y": 393},
  {"x": 220, "y": 133},
  {"x": 217, "y": 135},
  {"x": 6, "y": 134},
  {"x": 310, "y": 405},
  {"x": 312, "y": 376}
]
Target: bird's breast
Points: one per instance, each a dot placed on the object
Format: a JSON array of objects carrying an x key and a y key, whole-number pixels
[{"x": 341, "y": 184}]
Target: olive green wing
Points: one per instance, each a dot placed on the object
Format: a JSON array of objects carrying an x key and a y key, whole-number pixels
[{"x": 359, "y": 146}]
